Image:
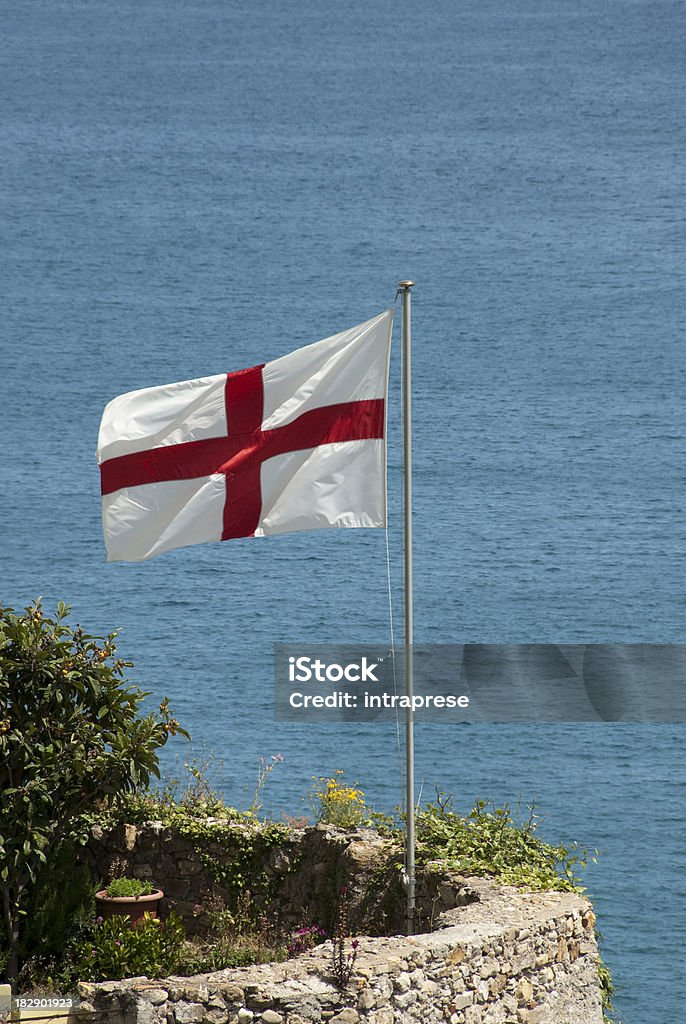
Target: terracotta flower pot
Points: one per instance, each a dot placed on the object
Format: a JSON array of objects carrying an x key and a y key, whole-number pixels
[{"x": 134, "y": 907}]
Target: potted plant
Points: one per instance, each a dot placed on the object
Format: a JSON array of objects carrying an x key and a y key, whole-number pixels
[{"x": 128, "y": 897}]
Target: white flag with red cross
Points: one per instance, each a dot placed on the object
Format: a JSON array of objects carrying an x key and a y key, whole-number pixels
[{"x": 294, "y": 444}]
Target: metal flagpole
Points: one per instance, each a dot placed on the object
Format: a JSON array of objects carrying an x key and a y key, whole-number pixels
[{"x": 405, "y": 287}]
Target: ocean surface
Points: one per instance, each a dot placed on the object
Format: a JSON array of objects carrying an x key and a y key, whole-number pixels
[{"x": 194, "y": 187}]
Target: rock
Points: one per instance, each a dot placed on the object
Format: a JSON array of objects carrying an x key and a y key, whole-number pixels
[
  {"x": 489, "y": 969},
  {"x": 346, "y": 1016},
  {"x": 129, "y": 837},
  {"x": 257, "y": 999},
  {"x": 232, "y": 993},
  {"x": 384, "y": 1015},
  {"x": 366, "y": 999},
  {"x": 404, "y": 999},
  {"x": 217, "y": 1015},
  {"x": 156, "y": 996},
  {"x": 189, "y": 1013},
  {"x": 524, "y": 990},
  {"x": 460, "y": 1002},
  {"x": 271, "y": 1017},
  {"x": 497, "y": 984}
]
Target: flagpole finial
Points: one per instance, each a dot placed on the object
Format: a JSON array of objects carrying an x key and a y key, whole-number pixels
[{"x": 406, "y": 284}]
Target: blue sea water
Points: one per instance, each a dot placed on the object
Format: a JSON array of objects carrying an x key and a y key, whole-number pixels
[{"x": 194, "y": 187}]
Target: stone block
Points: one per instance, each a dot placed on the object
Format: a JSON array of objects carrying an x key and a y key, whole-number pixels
[
  {"x": 129, "y": 835},
  {"x": 404, "y": 999},
  {"x": 156, "y": 996},
  {"x": 497, "y": 984},
  {"x": 525, "y": 990},
  {"x": 231, "y": 993},
  {"x": 189, "y": 1013},
  {"x": 588, "y": 920},
  {"x": 382, "y": 1015},
  {"x": 366, "y": 999},
  {"x": 489, "y": 968},
  {"x": 257, "y": 999},
  {"x": 402, "y": 983},
  {"x": 271, "y": 1017},
  {"x": 461, "y": 1001},
  {"x": 215, "y": 1015},
  {"x": 345, "y": 1016},
  {"x": 483, "y": 991}
]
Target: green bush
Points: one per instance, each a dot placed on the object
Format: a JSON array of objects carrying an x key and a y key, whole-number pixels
[
  {"x": 113, "y": 949},
  {"x": 489, "y": 842},
  {"x": 61, "y": 902},
  {"x": 71, "y": 739}
]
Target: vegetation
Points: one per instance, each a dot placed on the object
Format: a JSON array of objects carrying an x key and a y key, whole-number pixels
[
  {"x": 336, "y": 803},
  {"x": 129, "y": 887},
  {"x": 71, "y": 738},
  {"x": 235, "y": 939},
  {"x": 75, "y": 752},
  {"x": 488, "y": 841},
  {"x": 342, "y": 959},
  {"x": 112, "y": 949}
]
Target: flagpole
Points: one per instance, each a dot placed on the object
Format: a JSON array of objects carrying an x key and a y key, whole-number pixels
[{"x": 405, "y": 287}]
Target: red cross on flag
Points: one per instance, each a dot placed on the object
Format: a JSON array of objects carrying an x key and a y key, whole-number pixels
[{"x": 294, "y": 444}]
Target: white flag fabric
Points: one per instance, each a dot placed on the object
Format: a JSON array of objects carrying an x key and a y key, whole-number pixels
[{"x": 294, "y": 444}]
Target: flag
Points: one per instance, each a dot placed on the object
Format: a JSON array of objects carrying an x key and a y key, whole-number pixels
[{"x": 293, "y": 444}]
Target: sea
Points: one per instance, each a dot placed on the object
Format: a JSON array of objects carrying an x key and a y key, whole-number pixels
[{"x": 195, "y": 186}]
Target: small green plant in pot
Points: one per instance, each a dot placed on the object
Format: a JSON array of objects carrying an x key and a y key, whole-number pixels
[{"x": 129, "y": 897}]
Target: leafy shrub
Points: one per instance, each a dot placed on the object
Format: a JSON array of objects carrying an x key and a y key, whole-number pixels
[
  {"x": 61, "y": 902},
  {"x": 71, "y": 739},
  {"x": 489, "y": 842},
  {"x": 113, "y": 950}
]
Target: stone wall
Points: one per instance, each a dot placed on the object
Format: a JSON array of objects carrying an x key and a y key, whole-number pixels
[
  {"x": 496, "y": 955},
  {"x": 296, "y": 882},
  {"x": 507, "y": 958}
]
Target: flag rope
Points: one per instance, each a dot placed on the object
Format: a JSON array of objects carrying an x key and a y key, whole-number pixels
[{"x": 392, "y": 634}]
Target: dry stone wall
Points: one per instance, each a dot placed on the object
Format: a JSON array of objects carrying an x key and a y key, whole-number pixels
[
  {"x": 296, "y": 882},
  {"x": 496, "y": 955}
]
